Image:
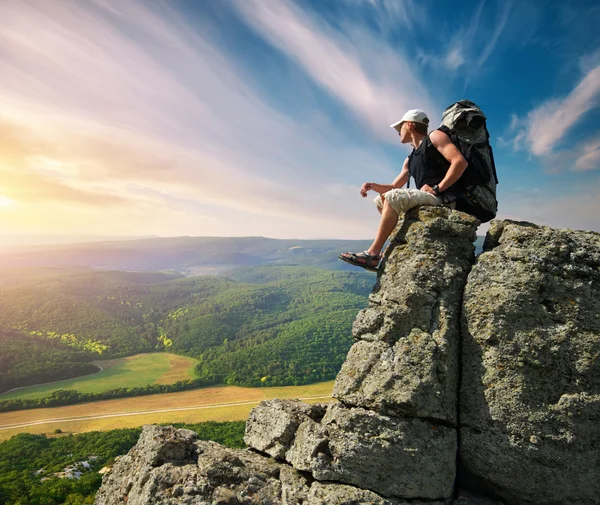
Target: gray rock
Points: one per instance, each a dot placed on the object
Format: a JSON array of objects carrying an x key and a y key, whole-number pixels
[
  {"x": 530, "y": 395},
  {"x": 294, "y": 486},
  {"x": 404, "y": 458},
  {"x": 406, "y": 360},
  {"x": 195, "y": 472},
  {"x": 469, "y": 498},
  {"x": 272, "y": 424},
  {"x": 339, "y": 494},
  {"x": 206, "y": 473}
]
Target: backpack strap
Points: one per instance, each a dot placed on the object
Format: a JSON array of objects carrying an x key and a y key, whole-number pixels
[
  {"x": 409, "y": 174},
  {"x": 492, "y": 156}
]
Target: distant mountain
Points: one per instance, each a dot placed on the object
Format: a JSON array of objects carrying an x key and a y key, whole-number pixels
[
  {"x": 12, "y": 241},
  {"x": 190, "y": 256}
]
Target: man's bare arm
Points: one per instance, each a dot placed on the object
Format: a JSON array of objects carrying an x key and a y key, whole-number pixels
[
  {"x": 399, "y": 181},
  {"x": 458, "y": 164}
]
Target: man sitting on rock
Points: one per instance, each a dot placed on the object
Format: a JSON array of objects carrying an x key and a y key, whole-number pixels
[{"x": 435, "y": 183}]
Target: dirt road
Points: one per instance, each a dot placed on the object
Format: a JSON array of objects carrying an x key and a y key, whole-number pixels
[{"x": 141, "y": 412}]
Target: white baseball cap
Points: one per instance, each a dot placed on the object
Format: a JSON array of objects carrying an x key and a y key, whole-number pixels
[{"x": 413, "y": 115}]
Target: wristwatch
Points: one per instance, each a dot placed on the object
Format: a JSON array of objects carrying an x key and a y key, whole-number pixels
[{"x": 436, "y": 190}]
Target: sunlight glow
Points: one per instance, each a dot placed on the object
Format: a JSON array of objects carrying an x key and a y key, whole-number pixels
[
  {"x": 6, "y": 202},
  {"x": 50, "y": 166}
]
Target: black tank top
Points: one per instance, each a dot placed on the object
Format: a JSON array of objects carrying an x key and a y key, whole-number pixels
[{"x": 428, "y": 166}]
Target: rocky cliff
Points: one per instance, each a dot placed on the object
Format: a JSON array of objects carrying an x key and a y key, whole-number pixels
[{"x": 470, "y": 382}]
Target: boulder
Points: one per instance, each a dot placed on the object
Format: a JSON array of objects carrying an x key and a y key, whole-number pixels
[
  {"x": 272, "y": 425},
  {"x": 340, "y": 494},
  {"x": 196, "y": 472},
  {"x": 530, "y": 393},
  {"x": 403, "y": 458},
  {"x": 406, "y": 359}
]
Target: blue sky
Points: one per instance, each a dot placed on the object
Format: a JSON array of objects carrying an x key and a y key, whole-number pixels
[{"x": 264, "y": 117}]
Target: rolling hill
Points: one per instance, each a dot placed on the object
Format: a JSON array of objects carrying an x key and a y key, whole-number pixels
[{"x": 265, "y": 326}]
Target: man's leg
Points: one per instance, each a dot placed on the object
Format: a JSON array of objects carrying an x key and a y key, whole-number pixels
[
  {"x": 402, "y": 200},
  {"x": 389, "y": 220}
]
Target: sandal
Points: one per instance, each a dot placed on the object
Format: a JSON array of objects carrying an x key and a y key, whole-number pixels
[{"x": 362, "y": 259}]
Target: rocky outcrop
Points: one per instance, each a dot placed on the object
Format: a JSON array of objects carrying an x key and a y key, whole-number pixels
[
  {"x": 170, "y": 466},
  {"x": 497, "y": 364},
  {"x": 275, "y": 423},
  {"x": 530, "y": 396},
  {"x": 398, "y": 388},
  {"x": 406, "y": 360}
]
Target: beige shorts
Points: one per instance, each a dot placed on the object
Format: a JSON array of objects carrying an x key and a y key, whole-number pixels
[{"x": 403, "y": 200}]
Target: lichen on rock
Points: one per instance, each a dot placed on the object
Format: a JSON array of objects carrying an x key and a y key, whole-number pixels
[
  {"x": 530, "y": 395},
  {"x": 406, "y": 358}
]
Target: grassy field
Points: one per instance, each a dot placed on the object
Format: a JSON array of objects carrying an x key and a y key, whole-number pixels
[
  {"x": 228, "y": 403},
  {"x": 133, "y": 371}
]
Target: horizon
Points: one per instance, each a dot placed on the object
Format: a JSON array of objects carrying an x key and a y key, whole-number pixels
[
  {"x": 32, "y": 242},
  {"x": 73, "y": 240},
  {"x": 256, "y": 118}
]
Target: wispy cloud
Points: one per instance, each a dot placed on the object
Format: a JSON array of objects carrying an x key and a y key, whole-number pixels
[
  {"x": 552, "y": 120},
  {"x": 131, "y": 106},
  {"x": 544, "y": 130},
  {"x": 463, "y": 49},
  {"x": 371, "y": 78},
  {"x": 589, "y": 155},
  {"x": 452, "y": 60},
  {"x": 392, "y": 15},
  {"x": 502, "y": 18}
]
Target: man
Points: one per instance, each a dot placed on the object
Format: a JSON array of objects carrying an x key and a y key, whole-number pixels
[{"x": 435, "y": 182}]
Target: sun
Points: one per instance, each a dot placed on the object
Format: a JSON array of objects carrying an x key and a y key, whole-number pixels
[{"x": 6, "y": 202}]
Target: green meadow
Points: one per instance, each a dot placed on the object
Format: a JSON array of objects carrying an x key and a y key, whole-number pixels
[{"x": 133, "y": 371}]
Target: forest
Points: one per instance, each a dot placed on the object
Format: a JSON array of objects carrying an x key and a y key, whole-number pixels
[{"x": 263, "y": 326}]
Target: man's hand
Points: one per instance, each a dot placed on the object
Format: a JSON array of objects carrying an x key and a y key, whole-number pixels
[
  {"x": 429, "y": 189},
  {"x": 365, "y": 188}
]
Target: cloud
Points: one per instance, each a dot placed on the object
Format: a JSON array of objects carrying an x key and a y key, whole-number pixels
[
  {"x": 371, "y": 78},
  {"x": 451, "y": 61},
  {"x": 498, "y": 29},
  {"x": 464, "y": 50},
  {"x": 550, "y": 122},
  {"x": 125, "y": 107},
  {"x": 582, "y": 156},
  {"x": 544, "y": 130},
  {"x": 589, "y": 155},
  {"x": 391, "y": 15},
  {"x": 454, "y": 59}
]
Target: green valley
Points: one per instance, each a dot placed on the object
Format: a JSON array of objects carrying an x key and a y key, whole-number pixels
[
  {"x": 134, "y": 371},
  {"x": 262, "y": 326}
]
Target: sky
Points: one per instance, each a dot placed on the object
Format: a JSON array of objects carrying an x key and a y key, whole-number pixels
[{"x": 264, "y": 117}]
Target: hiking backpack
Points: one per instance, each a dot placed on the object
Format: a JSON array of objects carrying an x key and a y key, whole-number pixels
[{"x": 464, "y": 123}]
